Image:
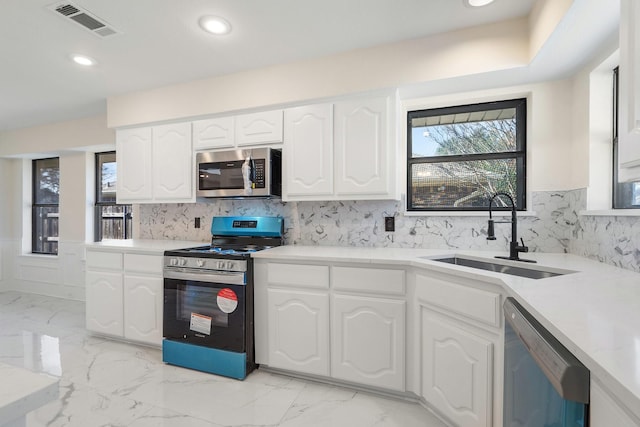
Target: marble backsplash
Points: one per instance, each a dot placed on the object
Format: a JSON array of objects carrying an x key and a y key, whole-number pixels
[{"x": 555, "y": 227}]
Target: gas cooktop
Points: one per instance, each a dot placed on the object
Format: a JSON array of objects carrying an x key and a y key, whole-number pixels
[
  {"x": 225, "y": 250},
  {"x": 237, "y": 238}
]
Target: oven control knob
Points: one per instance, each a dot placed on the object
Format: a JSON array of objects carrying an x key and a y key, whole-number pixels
[
  {"x": 182, "y": 262},
  {"x": 173, "y": 262},
  {"x": 200, "y": 262}
]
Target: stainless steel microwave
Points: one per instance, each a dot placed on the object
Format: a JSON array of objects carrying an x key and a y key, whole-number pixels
[{"x": 254, "y": 172}]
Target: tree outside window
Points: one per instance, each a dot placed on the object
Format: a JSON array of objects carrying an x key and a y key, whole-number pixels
[
  {"x": 458, "y": 157},
  {"x": 113, "y": 221}
]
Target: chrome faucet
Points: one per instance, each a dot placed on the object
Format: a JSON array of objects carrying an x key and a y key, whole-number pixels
[{"x": 514, "y": 247}]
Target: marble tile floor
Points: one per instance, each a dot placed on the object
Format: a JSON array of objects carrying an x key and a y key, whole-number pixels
[{"x": 109, "y": 383}]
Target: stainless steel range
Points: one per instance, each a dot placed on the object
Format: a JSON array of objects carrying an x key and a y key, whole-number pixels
[{"x": 208, "y": 297}]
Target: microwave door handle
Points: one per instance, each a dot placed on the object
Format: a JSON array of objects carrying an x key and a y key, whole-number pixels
[{"x": 247, "y": 175}]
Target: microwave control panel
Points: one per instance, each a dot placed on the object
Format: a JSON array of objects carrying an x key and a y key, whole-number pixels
[{"x": 258, "y": 173}]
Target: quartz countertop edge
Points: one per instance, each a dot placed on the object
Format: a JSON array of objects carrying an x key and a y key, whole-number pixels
[
  {"x": 594, "y": 311},
  {"x": 144, "y": 246}
]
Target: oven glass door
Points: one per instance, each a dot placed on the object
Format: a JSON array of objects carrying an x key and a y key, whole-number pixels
[{"x": 205, "y": 314}]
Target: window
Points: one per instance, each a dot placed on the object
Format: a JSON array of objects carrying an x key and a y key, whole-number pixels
[
  {"x": 626, "y": 195},
  {"x": 46, "y": 196},
  {"x": 113, "y": 221},
  {"x": 458, "y": 157}
]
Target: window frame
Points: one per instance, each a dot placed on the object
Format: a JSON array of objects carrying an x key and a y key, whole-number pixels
[
  {"x": 100, "y": 204},
  {"x": 520, "y": 155},
  {"x": 616, "y": 191},
  {"x": 36, "y": 205}
]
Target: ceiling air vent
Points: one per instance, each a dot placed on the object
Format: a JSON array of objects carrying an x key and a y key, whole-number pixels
[{"x": 84, "y": 18}]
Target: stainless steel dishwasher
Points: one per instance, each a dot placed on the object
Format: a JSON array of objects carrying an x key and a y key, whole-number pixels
[{"x": 544, "y": 384}]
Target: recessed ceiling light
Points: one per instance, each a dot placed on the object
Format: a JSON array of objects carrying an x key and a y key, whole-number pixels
[
  {"x": 477, "y": 3},
  {"x": 215, "y": 25},
  {"x": 83, "y": 60}
]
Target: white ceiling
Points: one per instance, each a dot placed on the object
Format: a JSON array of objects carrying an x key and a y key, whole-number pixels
[{"x": 160, "y": 43}]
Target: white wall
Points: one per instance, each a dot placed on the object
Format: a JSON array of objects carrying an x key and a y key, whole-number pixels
[
  {"x": 74, "y": 142},
  {"x": 476, "y": 50},
  {"x": 8, "y": 231},
  {"x": 51, "y": 140}
]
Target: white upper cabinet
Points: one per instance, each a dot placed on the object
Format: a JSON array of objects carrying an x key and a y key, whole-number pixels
[
  {"x": 133, "y": 148},
  {"x": 238, "y": 131},
  {"x": 341, "y": 151},
  {"x": 629, "y": 116},
  {"x": 259, "y": 128},
  {"x": 155, "y": 164},
  {"x": 308, "y": 152},
  {"x": 363, "y": 147},
  {"x": 172, "y": 162},
  {"x": 214, "y": 133}
]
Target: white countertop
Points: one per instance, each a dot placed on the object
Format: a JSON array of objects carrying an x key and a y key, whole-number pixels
[
  {"x": 23, "y": 391},
  {"x": 144, "y": 245},
  {"x": 594, "y": 312}
]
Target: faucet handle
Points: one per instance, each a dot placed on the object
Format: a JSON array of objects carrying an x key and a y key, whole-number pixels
[{"x": 523, "y": 248}]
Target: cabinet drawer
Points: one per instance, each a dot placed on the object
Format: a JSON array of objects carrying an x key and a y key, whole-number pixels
[
  {"x": 376, "y": 280},
  {"x": 476, "y": 304},
  {"x": 104, "y": 260},
  {"x": 151, "y": 264},
  {"x": 301, "y": 276}
]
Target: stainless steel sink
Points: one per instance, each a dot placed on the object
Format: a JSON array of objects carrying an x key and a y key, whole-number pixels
[{"x": 530, "y": 273}]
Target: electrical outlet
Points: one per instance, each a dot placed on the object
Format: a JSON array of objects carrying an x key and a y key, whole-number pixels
[
  {"x": 196, "y": 222},
  {"x": 389, "y": 223}
]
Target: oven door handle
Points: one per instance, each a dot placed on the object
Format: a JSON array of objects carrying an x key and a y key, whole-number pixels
[{"x": 221, "y": 277}]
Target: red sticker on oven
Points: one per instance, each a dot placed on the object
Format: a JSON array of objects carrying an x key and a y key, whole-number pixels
[{"x": 227, "y": 300}]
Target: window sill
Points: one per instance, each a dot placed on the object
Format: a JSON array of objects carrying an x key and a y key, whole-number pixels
[
  {"x": 610, "y": 212},
  {"x": 484, "y": 214},
  {"x": 45, "y": 256}
]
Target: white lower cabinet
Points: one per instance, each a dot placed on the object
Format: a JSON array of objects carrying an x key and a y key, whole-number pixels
[
  {"x": 604, "y": 411},
  {"x": 367, "y": 344},
  {"x": 125, "y": 295},
  {"x": 459, "y": 342},
  {"x": 104, "y": 302},
  {"x": 299, "y": 331},
  {"x": 143, "y": 299},
  {"x": 337, "y": 321},
  {"x": 457, "y": 370}
]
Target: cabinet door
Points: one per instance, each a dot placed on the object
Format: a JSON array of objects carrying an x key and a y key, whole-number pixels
[
  {"x": 605, "y": 412},
  {"x": 629, "y": 117},
  {"x": 456, "y": 371},
  {"x": 173, "y": 174},
  {"x": 368, "y": 341},
  {"x": 298, "y": 331},
  {"x": 104, "y": 302},
  {"x": 133, "y": 155},
  {"x": 362, "y": 144},
  {"x": 259, "y": 128},
  {"x": 214, "y": 133},
  {"x": 143, "y": 308},
  {"x": 308, "y": 151}
]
